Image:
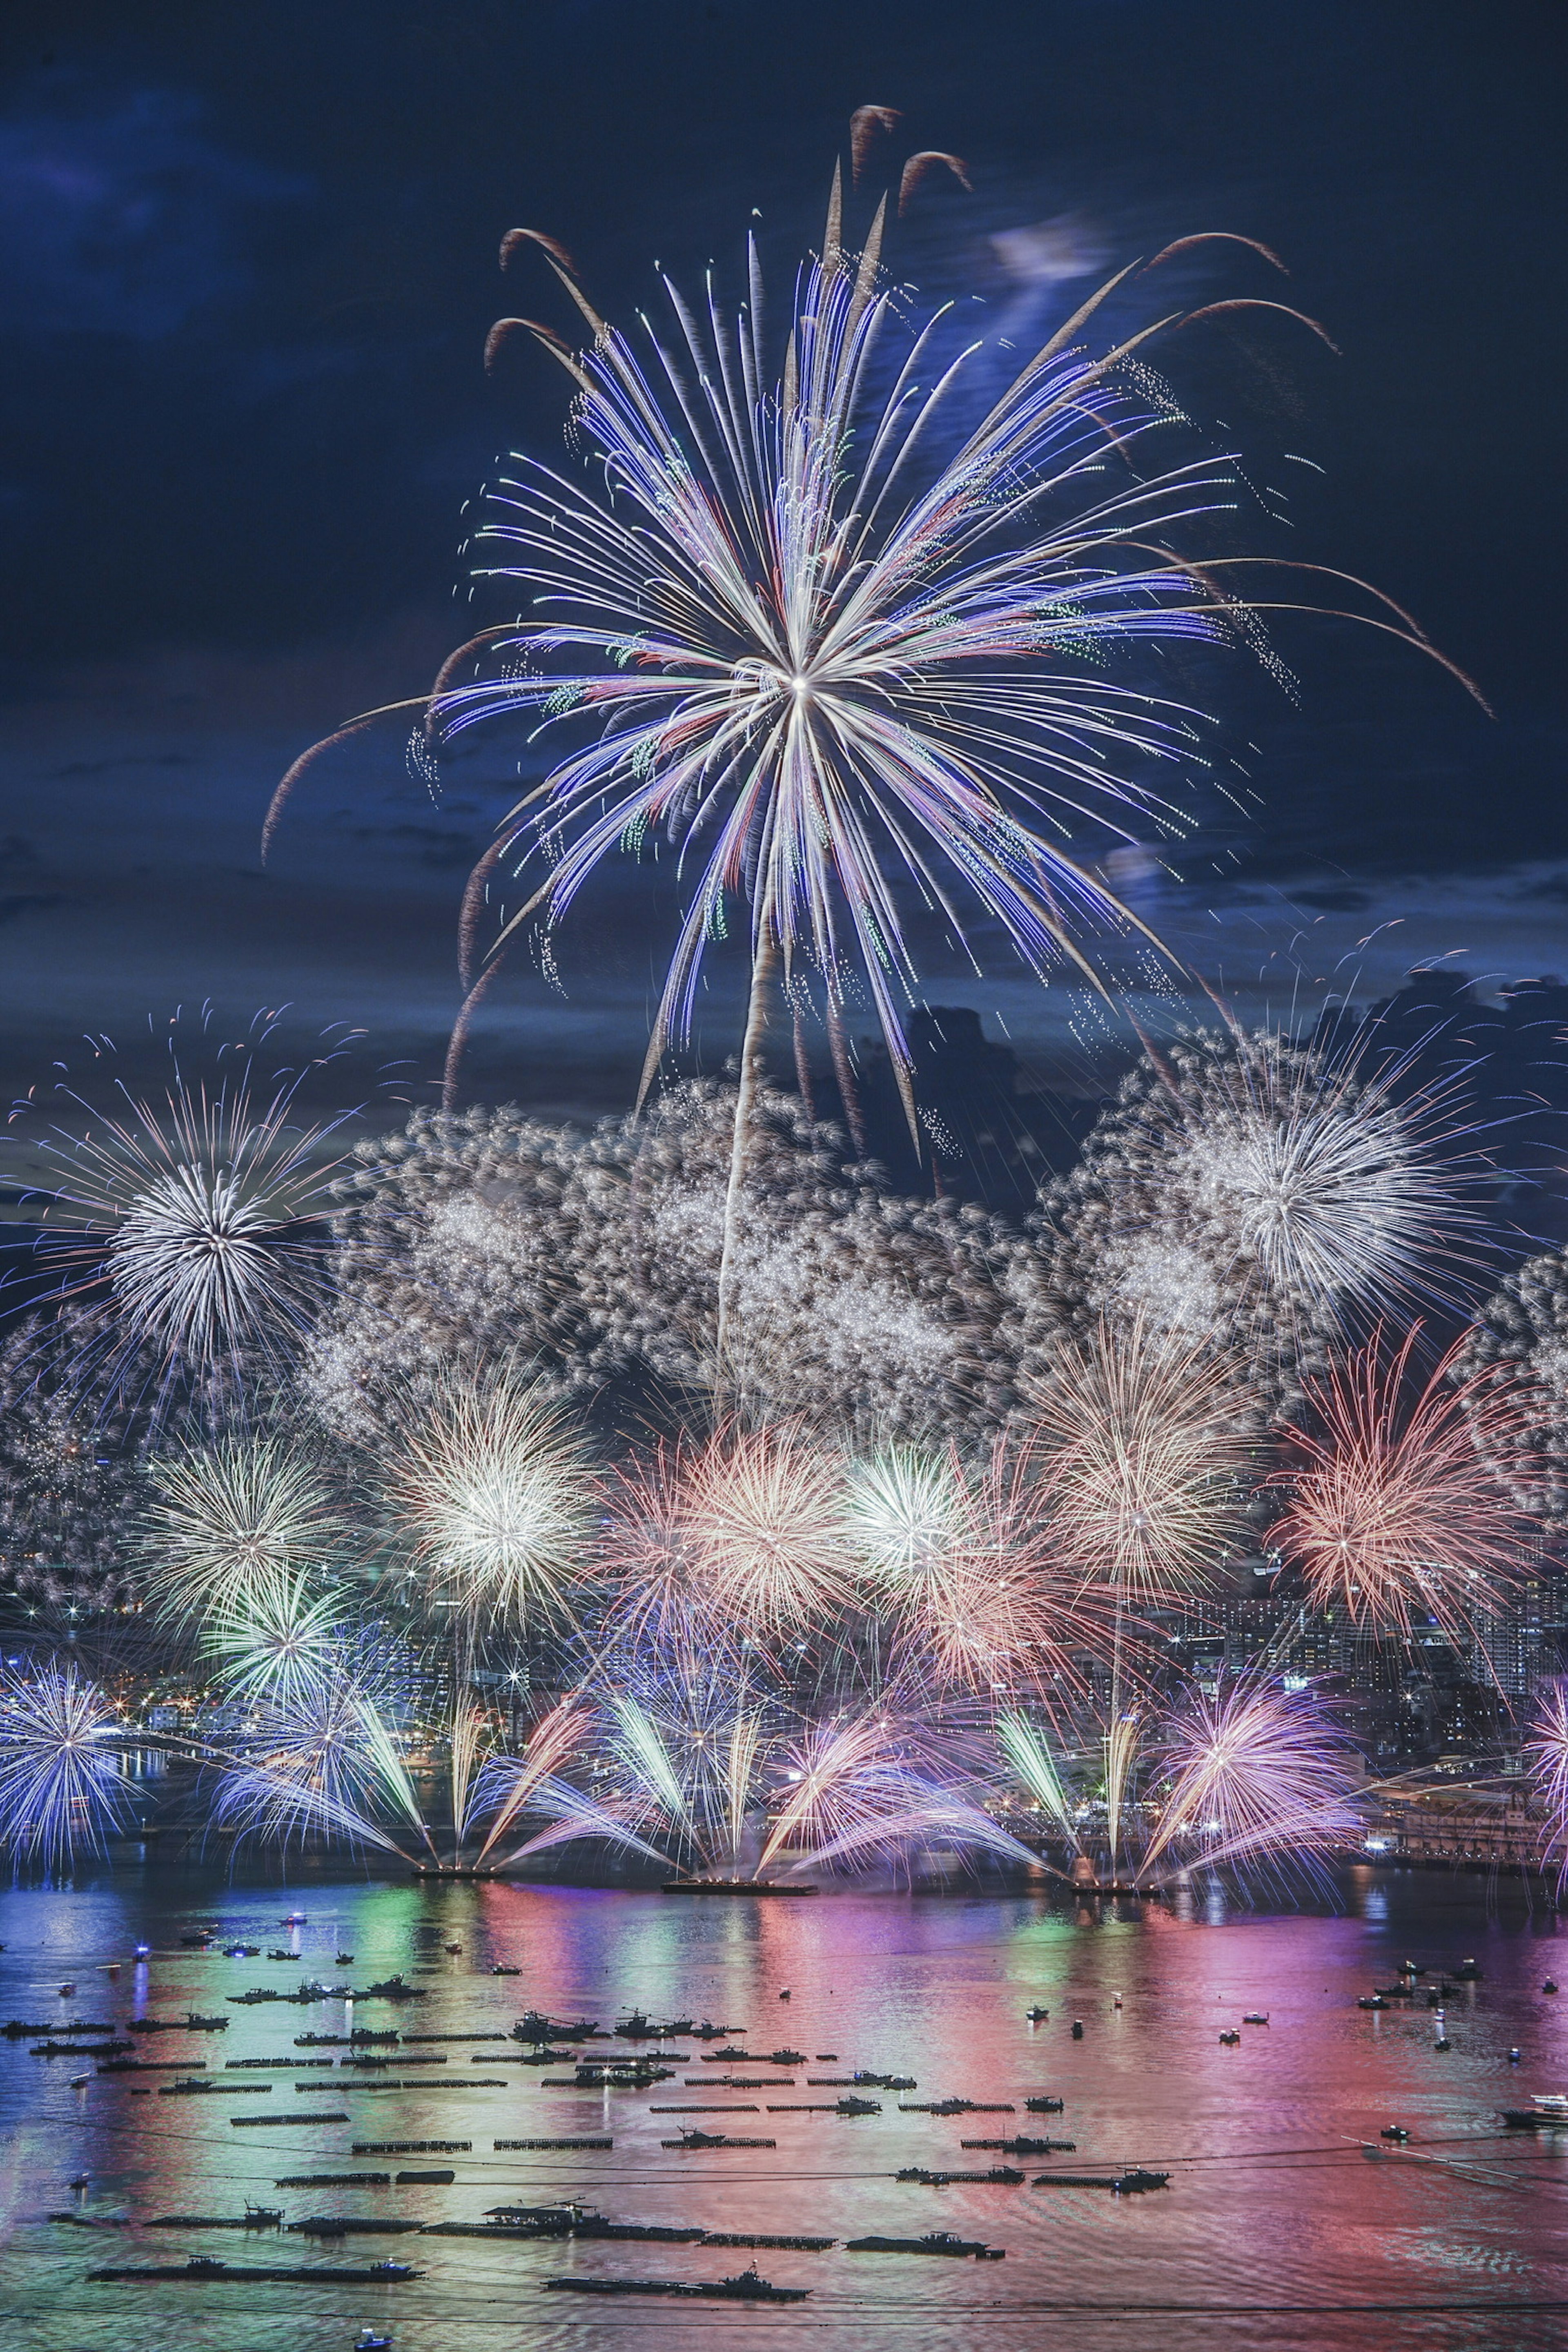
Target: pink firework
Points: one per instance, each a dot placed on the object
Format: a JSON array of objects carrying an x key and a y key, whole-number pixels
[
  {"x": 1395, "y": 1515},
  {"x": 749, "y": 1528},
  {"x": 1256, "y": 1774},
  {"x": 1547, "y": 1753}
]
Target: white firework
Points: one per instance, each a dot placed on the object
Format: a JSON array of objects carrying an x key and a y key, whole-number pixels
[{"x": 227, "y": 1520}]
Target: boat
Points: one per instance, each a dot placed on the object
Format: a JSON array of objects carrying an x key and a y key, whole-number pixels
[
  {"x": 1025, "y": 2147},
  {"x": 640, "y": 2027},
  {"x": 957, "y": 2108},
  {"x": 534, "y": 2026},
  {"x": 1371, "y": 2001},
  {"x": 280, "y": 2123},
  {"x": 203, "y": 2270},
  {"x": 1404, "y": 1991},
  {"x": 393, "y": 1987},
  {"x": 495, "y": 2035},
  {"x": 333, "y": 2180},
  {"x": 605, "y": 2142},
  {"x": 255, "y": 2217},
  {"x": 1037, "y": 2016},
  {"x": 293, "y": 1919},
  {"x": 347, "y": 2225},
  {"x": 1548, "y": 2111},
  {"x": 369, "y": 2339},
  {"x": 745, "y": 2287},
  {"x": 342, "y": 1959},
  {"x": 1078, "y": 2029},
  {"x": 415, "y": 2146},
  {"x": 500, "y": 1969},
  {"x": 282, "y": 1953},
  {"x": 1132, "y": 2183},
  {"x": 92, "y": 2220},
  {"x": 242, "y": 1951},
  {"x": 1469, "y": 1972},
  {"x": 700, "y": 2139},
  {"x": 79, "y": 2049},
  {"x": 453, "y": 1949},
  {"x": 1000, "y": 2174},
  {"x": 1229, "y": 2040},
  {"x": 935, "y": 2242},
  {"x": 731, "y": 1886},
  {"x": 786, "y": 2058},
  {"x": 433, "y": 2176},
  {"x": 708, "y": 2031},
  {"x": 750, "y": 2238},
  {"x": 18, "y": 2029},
  {"x": 1550, "y": 1986},
  {"x": 1044, "y": 2106},
  {"x": 79, "y": 2082},
  {"x": 1393, "y": 2131},
  {"x": 1255, "y": 2017}
]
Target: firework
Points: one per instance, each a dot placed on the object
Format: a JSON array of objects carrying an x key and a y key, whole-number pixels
[
  {"x": 1546, "y": 1751},
  {"x": 278, "y": 1643},
  {"x": 493, "y": 1493},
  {"x": 1141, "y": 1453},
  {"x": 768, "y": 1518},
  {"x": 61, "y": 1787},
  {"x": 326, "y": 1762},
  {"x": 1393, "y": 1515},
  {"x": 197, "y": 1214},
  {"x": 1248, "y": 1777},
  {"x": 231, "y": 1519},
  {"x": 967, "y": 1560},
  {"x": 1255, "y": 1772},
  {"x": 597, "y": 1256},
  {"x": 1519, "y": 1350},
  {"x": 1259, "y": 1198},
  {"x": 69, "y": 1473}
]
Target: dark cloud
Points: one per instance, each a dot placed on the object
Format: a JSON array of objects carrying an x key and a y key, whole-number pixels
[{"x": 119, "y": 214}]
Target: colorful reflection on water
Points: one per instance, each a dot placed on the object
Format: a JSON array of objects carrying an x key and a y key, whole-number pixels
[{"x": 1275, "y": 2218}]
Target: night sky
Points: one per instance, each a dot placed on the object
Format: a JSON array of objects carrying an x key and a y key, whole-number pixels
[{"x": 248, "y": 260}]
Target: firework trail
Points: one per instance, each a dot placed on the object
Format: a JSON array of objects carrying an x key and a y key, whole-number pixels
[
  {"x": 1261, "y": 1198},
  {"x": 1248, "y": 1776},
  {"x": 229, "y": 1521},
  {"x": 62, "y": 1791},
  {"x": 1394, "y": 1515},
  {"x": 199, "y": 1216},
  {"x": 491, "y": 1490}
]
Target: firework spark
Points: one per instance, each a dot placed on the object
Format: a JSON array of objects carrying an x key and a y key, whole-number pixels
[
  {"x": 199, "y": 1214},
  {"x": 279, "y": 1644},
  {"x": 230, "y": 1520},
  {"x": 492, "y": 1490},
  {"x": 1394, "y": 1515},
  {"x": 1261, "y": 1198},
  {"x": 1141, "y": 1453},
  {"x": 62, "y": 1791},
  {"x": 766, "y": 1514},
  {"x": 1256, "y": 1773},
  {"x": 1546, "y": 1751}
]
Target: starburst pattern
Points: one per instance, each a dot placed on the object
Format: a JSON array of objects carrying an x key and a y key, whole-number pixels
[
  {"x": 228, "y": 1520},
  {"x": 62, "y": 1788},
  {"x": 1394, "y": 1514}
]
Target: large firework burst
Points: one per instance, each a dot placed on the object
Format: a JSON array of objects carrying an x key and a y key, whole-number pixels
[
  {"x": 1261, "y": 1197},
  {"x": 197, "y": 1216},
  {"x": 1141, "y": 1452},
  {"x": 1547, "y": 1752},
  {"x": 1394, "y": 1515},
  {"x": 492, "y": 1491},
  {"x": 62, "y": 1790},
  {"x": 767, "y": 1518},
  {"x": 1519, "y": 1348},
  {"x": 228, "y": 1520}
]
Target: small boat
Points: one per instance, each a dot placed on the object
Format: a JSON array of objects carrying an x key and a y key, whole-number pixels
[
  {"x": 708, "y": 2031},
  {"x": 67, "y": 1992},
  {"x": 281, "y": 1952},
  {"x": 1025, "y": 2147},
  {"x": 111, "y": 1969},
  {"x": 141, "y": 1951},
  {"x": 1229, "y": 2040},
  {"x": 80, "y": 2181},
  {"x": 242, "y": 1951},
  {"x": 369, "y": 2339},
  {"x": 1078, "y": 2029},
  {"x": 1037, "y": 2016},
  {"x": 342, "y": 1959},
  {"x": 501, "y": 1969},
  {"x": 1135, "y": 2182},
  {"x": 1395, "y": 2132},
  {"x": 700, "y": 2139},
  {"x": 745, "y": 2287},
  {"x": 393, "y": 1988},
  {"x": 1255, "y": 2017},
  {"x": 1550, "y": 1986},
  {"x": 206, "y": 2269},
  {"x": 1548, "y": 2111},
  {"x": 1044, "y": 2107},
  {"x": 454, "y": 1950},
  {"x": 293, "y": 1919},
  {"x": 1469, "y": 1972},
  {"x": 957, "y": 2108},
  {"x": 1371, "y": 2001},
  {"x": 935, "y": 2242},
  {"x": 79, "y": 2082}
]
